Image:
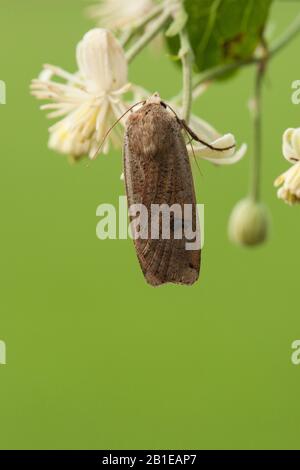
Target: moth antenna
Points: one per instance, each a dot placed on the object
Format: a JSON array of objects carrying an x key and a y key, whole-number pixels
[
  {"x": 194, "y": 136},
  {"x": 114, "y": 125},
  {"x": 197, "y": 139},
  {"x": 191, "y": 138},
  {"x": 171, "y": 109}
]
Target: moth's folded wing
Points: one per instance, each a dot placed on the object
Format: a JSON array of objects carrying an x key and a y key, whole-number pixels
[{"x": 162, "y": 179}]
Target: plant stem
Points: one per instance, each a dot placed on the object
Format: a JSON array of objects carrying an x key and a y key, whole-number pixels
[
  {"x": 256, "y": 160},
  {"x": 140, "y": 25},
  {"x": 187, "y": 71},
  {"x": 150, "y": 34},
  {"x": 283, "y": 41},
  {"x": 292, "y": 31},
  {"x": 217, "y": 72},
  {"x": 220, "y": 71}
]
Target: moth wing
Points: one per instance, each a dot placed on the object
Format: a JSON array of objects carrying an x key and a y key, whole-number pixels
[{"x": 157, "y": 172}]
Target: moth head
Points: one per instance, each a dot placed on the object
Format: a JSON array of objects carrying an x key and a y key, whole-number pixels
[{"x": 154, "y": 99}]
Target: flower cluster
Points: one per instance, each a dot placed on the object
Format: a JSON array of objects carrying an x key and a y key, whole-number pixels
[
  {"x": 89, "y": 101},
  {"x": 91, "y": 105}
]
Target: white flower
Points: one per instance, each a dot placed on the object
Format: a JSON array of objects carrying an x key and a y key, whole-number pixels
[
  {"x": 290, "y": 180},
  {"x": 208, "y": 134},
  {"x": 290, "y": 185},
  {"x": 291, "y": 145},
  {"x": 120, "y": 14},
  {"x": 91, "y": 99}
]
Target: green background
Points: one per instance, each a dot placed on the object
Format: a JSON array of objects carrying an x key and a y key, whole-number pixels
[{"x": 96, "y": 357}]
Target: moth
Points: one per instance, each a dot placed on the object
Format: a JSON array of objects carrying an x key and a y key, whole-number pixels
[
  {"x": 158, "y": 174},
  {"x": 159, "y": 185}
]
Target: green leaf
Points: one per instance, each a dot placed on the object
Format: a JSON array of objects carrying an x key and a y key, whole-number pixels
[{"x": 224, "y": 31}]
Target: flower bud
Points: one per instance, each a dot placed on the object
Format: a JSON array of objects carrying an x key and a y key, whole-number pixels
[{"x": 248, "y": 223}]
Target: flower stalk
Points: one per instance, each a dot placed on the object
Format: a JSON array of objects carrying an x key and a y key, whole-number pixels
[
  {"x": 148, "y": 36},
  {"x": 186, "y": 56},
  {"x": 291, "y": 33},
  {"x": 256, "y": 160},
  {"x": 142, "y": 24}
]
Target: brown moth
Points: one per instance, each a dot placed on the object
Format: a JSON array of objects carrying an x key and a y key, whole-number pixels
[{"x": 158, "y": 172}]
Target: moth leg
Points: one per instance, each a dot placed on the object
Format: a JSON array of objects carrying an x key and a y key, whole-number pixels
[
  {"x": 190, "y": 142},
  {"x": 194, "y": 136}
]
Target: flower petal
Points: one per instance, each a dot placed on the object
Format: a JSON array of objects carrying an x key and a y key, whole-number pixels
[
  {"x": 291, "y": 145},
  {"x": 120, "y": 14},
  {"x": 203, "y": 130},
  {"x": 296, "y": 142},
  {"x": 101, "y": 61},
  {"x": 231, "y": 160},
  {"x": 290, "y": 181},
  {"x": 208, "y": 134}
]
